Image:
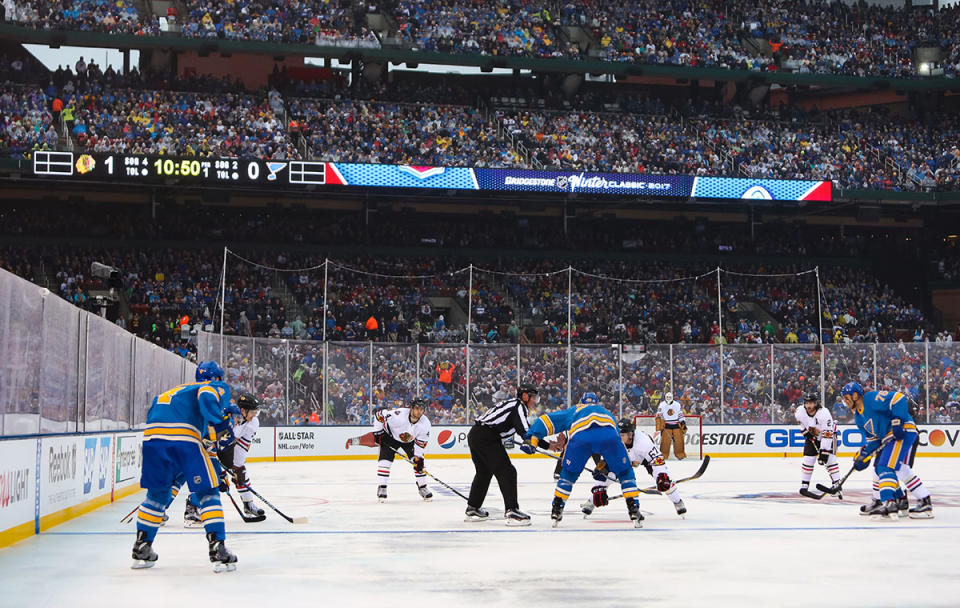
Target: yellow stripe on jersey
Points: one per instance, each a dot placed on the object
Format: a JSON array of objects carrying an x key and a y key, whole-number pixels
[
  {"x": 631, "y": 494},
  {"x": 547, "y": 423},
  {"x": 889, "y": 484},
  {"x": 211, "y": 515},
  {"x": 210, "y": 470},
  {"x": 895, "y": 454},
  {"x": 162, "y": 432},
  {"x": 561, "y": 494},
  {"x": 599, "y": 419},
  {"x": 896, "y": 397},
  {"x": 208, "y": 390}
]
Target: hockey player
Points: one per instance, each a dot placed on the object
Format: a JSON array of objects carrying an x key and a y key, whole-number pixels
[
  {"x": 235, "y": 456},
  {"x": 642, "y": 451},
  {"x": 406, "y": 429},
  {"x": 592, "y": 430},
  {"x": 172, "y": 446},
  {"x": 891, "y": 434},
  {"x": 672, "y": 426},
  {"x": 491, "y": 436},
  {"x": 820, "y": 431}
]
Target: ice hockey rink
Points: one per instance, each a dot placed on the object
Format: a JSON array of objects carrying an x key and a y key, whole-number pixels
[{"x": 748, "y": 537}]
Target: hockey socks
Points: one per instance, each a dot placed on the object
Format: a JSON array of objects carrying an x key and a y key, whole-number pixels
[
  {"x": 150, "y": 515},
  {"x": 909, "y": 479}
]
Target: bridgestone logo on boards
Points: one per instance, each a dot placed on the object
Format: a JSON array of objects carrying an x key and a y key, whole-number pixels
[
  {"x": 63, "y": 464},
  {"x": 13, "y": 486},
  {"x": 723, "y": 438}
]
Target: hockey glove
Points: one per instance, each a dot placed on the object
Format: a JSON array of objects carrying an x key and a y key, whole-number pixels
[
  {"x": 683, "y": 426},
  {"x": 861, "y": 464},
  {"x": 600, "y": 497},
  {"x": 601, "y": 472},
  {"x": 233, "y": 410},
  {"x": 378, "y": 437},
  {"x": 418, "y": 464},
  {"x": 822, "y": 458},
  {"x": 663, "y": 482},
  {"x": 527, "y": 446},
  {"x": 896, "y": 427},
  {"x": 224, "y": 482}
]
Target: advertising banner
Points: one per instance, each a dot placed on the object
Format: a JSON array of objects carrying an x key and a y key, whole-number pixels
[
  {"x": 127, "y": 460},
  {"x": 18, "y": 485}
]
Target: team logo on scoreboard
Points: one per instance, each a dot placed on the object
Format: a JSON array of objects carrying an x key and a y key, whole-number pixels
[
  {"x": 758, "y": 193},
  {"x": 275, "y": 167},
  {"x": 421, "y": 172},
  {"x": 85, "y": 164}
]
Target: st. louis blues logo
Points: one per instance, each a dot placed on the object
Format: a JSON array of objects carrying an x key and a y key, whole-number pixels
[
  {"x": 421, "y": 172},
  {"x": 275, "y": 167}
]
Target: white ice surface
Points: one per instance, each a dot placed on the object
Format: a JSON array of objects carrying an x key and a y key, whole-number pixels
[{"x": 747, "y": 539}]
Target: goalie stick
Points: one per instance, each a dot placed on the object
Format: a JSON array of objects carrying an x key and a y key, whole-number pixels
[{"x": 293, "y": 520}]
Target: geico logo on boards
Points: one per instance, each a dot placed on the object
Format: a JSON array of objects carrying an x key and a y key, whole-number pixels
[
  {"x": 793, "y": 438},
  {"x": 722, "y": 438},
  {"x": 63, "y": 463},
  {"x": 294, "y": 435},
  {"x": 13, "y": 486},
  {"x": 938, "y": 437}
]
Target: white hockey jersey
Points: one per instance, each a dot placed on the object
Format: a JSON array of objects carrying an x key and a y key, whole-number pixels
[
  {"x": 397, "y": 424},
  {"x": 824, "y": 423},
  {"x": 672, "y": 412},
  {"x": 645, "y": 451},
  {"x": 244, "y": 432}
]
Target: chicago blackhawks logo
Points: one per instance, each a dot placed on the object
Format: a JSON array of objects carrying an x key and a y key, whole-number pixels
[{"x": 406, "y": 437}]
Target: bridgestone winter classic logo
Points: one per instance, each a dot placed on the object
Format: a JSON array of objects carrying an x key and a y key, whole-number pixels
[{"x": 13, "y": 486}]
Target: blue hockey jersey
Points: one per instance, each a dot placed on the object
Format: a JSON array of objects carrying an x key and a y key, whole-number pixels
[
  {"x": 575, "y": 419},
  {"x": 184, "y": 412},
  {"x": 874, "y": 418}
]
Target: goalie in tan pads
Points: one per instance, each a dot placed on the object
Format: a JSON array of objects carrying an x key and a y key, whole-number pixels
[{"x": 672, "y": 426}]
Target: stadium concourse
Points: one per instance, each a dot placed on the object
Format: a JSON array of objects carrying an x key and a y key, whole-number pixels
[{"x": 747, "y": 537}]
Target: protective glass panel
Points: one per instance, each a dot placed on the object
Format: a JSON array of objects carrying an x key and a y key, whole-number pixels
[
  {"x": 796, "y": 372},
  {"x": 348, "y": 391},
  {"x": 696, "y": 380},
  {"x": 270, "y": 378},
  {"x": 58, "y": 368},
  {"x": 746, "y": 384},
  {"x": 493, "y": 375},
  {"x": 306, "y": 385},
  {"x": 596, "y": 370},
  {"x": 845, "y": 363},
  {"x": 902, "y": 367},
  {"x": 646, "y": 371},
  {"x": 20, "y": 317},
  {"x": 944, "y": 383},
  {"x": 95, "y": 409},
  {"x": 443, "y": 381},
  {"x": 546, "y": 368},
  {"x": 395, "y": 376}
]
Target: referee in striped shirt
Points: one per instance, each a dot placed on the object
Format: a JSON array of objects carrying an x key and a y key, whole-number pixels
[{"x": 491, "y": 436}]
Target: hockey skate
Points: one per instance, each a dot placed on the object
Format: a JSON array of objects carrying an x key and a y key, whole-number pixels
[
  {"x": 191, "y": 516},
  {"x": 903, "y": 506},
  {"x": 884, "y": 511},
  {"x": 252, "y": 510},
  {"x": 922, "y": 510},
  {"x": 475, "y": 514},
  {"x": 165, "y": 519},
  {"x": 556, "y": 511},
  {"x": 587, "y": 507},
  {"x": 221, "y": 557},
  {"x": 425, "y": 493},
  {"x": 681, "y": 508},
  {"x": 516, "y": 517},
  {"x": 870, "y": 508},
  {"x": 633, "y": 508},
  {"x": 382, "y": 493},
  {"x": 143, "y": 554}
]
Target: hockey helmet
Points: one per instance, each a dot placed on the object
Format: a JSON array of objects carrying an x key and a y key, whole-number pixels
[
  {"x": 246, "y": 401},
  {"x": 590, "y": 399},
  {"x": 418, "y": 402},
  {"x": 811, "y": 397},
  {"x": 208, "y": 371},
  {"x": 668, "y": 396},
  {"x": 852, "y": 388},
  {"x": 526, "y": 387},
  {"x": 626, "y": 425}
]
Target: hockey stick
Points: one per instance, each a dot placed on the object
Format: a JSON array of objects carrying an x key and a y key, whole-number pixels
[
  {"x": 609, "y": 476},
  {"x": 836, "y": 487},
  {"x": 129, "y": 516},
  {"x": 246, "y": 518},
  {"x": 293, "y": 520},
  {"x": 653, "y": 489},
  {"x": 426, "y": 472}
]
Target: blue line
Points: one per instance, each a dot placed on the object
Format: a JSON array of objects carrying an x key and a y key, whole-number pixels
[{"x": 527, "y": 530}]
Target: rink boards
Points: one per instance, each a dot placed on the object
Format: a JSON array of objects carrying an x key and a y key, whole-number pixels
[
  {"x": 45, "y": 481},
  {"x": 277, "y": 444}
]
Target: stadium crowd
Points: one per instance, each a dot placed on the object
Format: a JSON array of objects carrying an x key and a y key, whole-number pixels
[{"x": 861, "y": 39}]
